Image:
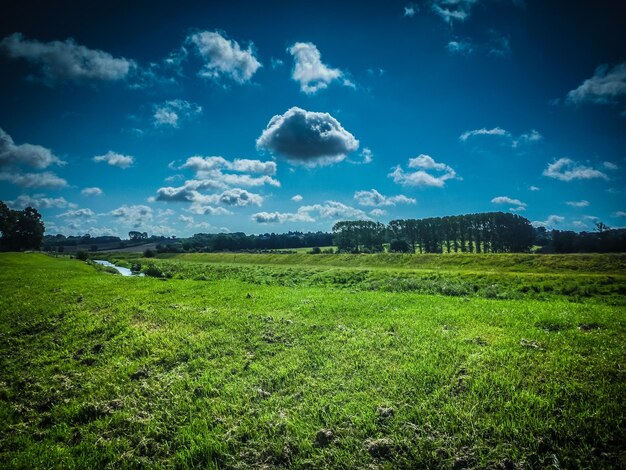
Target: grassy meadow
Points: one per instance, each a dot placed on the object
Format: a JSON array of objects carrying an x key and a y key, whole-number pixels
[{"x": 314, "y": 361}]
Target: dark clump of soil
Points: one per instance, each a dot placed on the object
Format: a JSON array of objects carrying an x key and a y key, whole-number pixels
[
  {"x": 324, "y": 437},
  {"x": 379, "y": 448}
]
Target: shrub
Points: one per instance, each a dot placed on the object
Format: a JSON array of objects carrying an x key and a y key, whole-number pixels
[
  {"x": 136, "y": 267},
  {"x": 316, "y": 250},
  {"x": 399, "y": 246},
  {"x": 153, "y": 271},
  {"x": 82, "y": 255},
  {"x": 149, "y": 253}
]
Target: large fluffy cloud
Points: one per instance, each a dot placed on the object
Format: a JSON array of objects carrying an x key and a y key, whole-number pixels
[
  {"x": 210, "y": 176},
  {"x": 115, "y": 159},
  {"x": 309, "y": 71},
  {"x": 565, "y": 169},
  {"x": 224, "y": 57},
  {"x": 373, "y": 198},
  {"x": 67, "y": 61},
  {"x": 428, "y": 173},
  {"x": 307, "y": 138},
  {"x": 606, "y": 86},
  {"x": 35, "y": 156}
]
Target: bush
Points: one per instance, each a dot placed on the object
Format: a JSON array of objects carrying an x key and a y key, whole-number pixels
[
  {"x": 82, "y": 255},
  {"x": 136, "y": 267},
  {"x": 316, "y": 250},
  {"x": 149, "y": 253},
  {"x": 399, "y": 246},
  {"x": 153, "y": 271}
]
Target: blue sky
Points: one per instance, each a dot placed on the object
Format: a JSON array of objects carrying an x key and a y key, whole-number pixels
[{"x": 274, "y": 116}]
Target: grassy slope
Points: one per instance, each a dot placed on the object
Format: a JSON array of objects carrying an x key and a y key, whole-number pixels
[
  {"x": 583, "y": 277},
  {"x": 574, "y": 263},
  {"x": 96, "y": 370}
]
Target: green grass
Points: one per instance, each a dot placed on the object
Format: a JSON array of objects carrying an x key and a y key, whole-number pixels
[{"x": 97, "y": 370}]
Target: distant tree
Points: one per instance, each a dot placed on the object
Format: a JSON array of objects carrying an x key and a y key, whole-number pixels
[
  {"x": 316, "y": 250},
  {"x": 20, "y": 230},
  {"x": 136, "y": 236},
  {"x": 601, "y": 227},
  {"x": 149, "y": 253},
  {"x": 82, "y": 255}
]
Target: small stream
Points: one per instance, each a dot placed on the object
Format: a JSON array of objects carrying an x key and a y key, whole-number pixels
[{"x": 120, "y": 269}]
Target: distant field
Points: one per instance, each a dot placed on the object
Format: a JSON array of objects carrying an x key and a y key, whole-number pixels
[{"x": 314, "y": 361}]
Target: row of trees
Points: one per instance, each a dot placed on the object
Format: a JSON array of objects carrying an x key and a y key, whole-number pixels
[
  {"x": 20, "y": 230},
  {"x": 492, "y": 232},
  {"x": 239, "y": 241},
  {"x": 604, "y": 240}
]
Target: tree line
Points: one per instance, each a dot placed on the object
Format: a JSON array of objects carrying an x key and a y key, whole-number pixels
[{"x": 491, "y": 232}]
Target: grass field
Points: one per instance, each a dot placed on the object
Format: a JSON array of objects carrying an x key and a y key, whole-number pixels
[{"x": 313, "y": 361}]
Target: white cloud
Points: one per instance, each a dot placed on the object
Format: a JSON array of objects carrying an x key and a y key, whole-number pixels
[
  {"x": 460, "y": 47},
  {"x": 410, "y": 10},
  {"x": 378, "y": 212},
  {"x": 239, "y": 197},
  {"x": 309, "y": 70},
  {"x": 209, "y": 203},
  {"x": 281, "y": 217},
  {"x": 209, "y": 164},
  {"x": 224, "y": 57},
  {"x": 39, "y": 201},
  {"x": 528, "y": 137},
  {"x": 67, "y": 61},
  {"x": 78, "y": 214},
  {"x": 135, "y": 216},
  {"x": 297, "y": 198},
  {"x": 34, "y": 156},
  {"x": 47, "y": 179},
  {"x": 497, "y": 131},
  {"x": 451, "y": 10},
  {"x": 422, "y": 177},
  {"x": 550, "y": 222},
  {"x": 171, "y": 113},
  {"x": 534, "y": 188},
  {"x": 308, "y": 138},
  {"x": 565, "y": 169},
  {"x": 582, "y": 203},
  {"x": 619, "y": 214},
  {"x": 92, "y": 192},
  {"x": 366, "y": 157},
  {"x": 334, "y": 210},
  {"x": 579, "y": 224},
  {"x": 328, "y": 210},
  {"x": 606, "y": 86},
  {"x": 518, "y": 205},
  {"x": 610, "y": 166},
  {"x": 115, "y": 159},
  {"x": 375, "y": 199}
]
